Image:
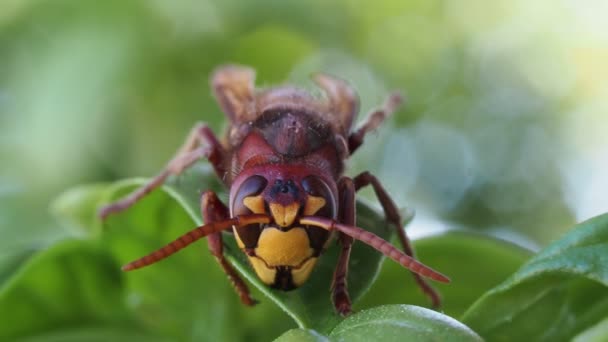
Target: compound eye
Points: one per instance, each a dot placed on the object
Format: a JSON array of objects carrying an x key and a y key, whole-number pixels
[
  {"x": 320, "y": 201},
  {"x": 247, "y": 196},
  {"x": 248, "y": 200}
]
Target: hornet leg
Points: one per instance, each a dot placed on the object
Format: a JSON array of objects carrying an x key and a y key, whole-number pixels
[
  {"x": 214, "y": 210},
  {"x": 393, "y": 217},
  {"x": 372, "y": 121},
  {"x": 339, "y": 286},
  {"x": 201, "y": 143}
]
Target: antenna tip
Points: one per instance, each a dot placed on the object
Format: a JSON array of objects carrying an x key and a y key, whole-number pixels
[{"x": 127, "y": 268}]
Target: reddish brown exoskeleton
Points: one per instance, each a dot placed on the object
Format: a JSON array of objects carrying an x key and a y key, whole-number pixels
[{"x": 283, "y": 161}]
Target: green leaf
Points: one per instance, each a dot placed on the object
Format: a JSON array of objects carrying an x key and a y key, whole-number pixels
[
  {"x": 310, "y": 305},
  {"x": 163, "y": 215},
  {"x": 453, "y": 253},
  {"x": 559, "y": 293},
  {"x": 23, "y": 231},
  {"x": 76, "y": 209},
  {"x": 391, "y": 323},
  {"x": 302, "y": 335},
  {"x": 402, "y": 323},
  {"x": 186, "y": 296},
  {"x": 95, "y": 334},
  {"x": 597, "y": 333},
  {"x": 71, "y": 284},
  {"x": 11, "y": 262}
]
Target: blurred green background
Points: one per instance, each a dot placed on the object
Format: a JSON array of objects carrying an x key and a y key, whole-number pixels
[{"x": 504, "y": 131}]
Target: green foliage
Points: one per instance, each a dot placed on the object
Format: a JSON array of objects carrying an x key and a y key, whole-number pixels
[
  {"x": 597, "y": 333},
  {"x": 491, "y": 140},
  {"x": 475, "y": 264},
  {"x": 75, "y": 290},
  {"x": 559, "y": 293},
  {"x": 68, "y": 287},
  {"x": 159, "y": 219},
  {"x": 390, "y": 323}
]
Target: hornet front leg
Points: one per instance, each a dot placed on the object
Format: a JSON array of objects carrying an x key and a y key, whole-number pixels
[
  {"x": 201, "y": 143},
  {"x": 347, "y": 215},
  {"x": 214, "y": 210}
]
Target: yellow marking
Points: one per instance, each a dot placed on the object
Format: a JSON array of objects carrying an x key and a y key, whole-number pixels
[
  {"x": 239, "y": 242},
  {"x": 300, "y": 275},
  {"x": 313, "y": 204},
  {"x": 265, "y": 273},
  {"x": 279, "y": 248},
  {"x": 255, "y": 204},
  {"x": 284, "y": 215}
]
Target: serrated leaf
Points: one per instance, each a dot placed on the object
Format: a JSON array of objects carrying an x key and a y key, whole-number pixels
[{"x": 557, "y": 294}]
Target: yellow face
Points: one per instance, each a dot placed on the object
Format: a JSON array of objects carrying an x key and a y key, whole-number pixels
[
  {"x": 283, "y": 258},
  {"x": 284, "y": 252},
  {"x": 278, "y": 248}
]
